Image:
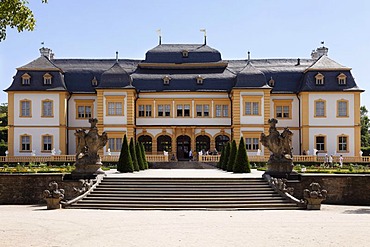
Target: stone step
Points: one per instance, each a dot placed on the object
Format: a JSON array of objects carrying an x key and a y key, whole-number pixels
[
  {"x": 182, "y": 195},
  {"x": 180, "y": 200},
  {"x": 174, "y": 188}
]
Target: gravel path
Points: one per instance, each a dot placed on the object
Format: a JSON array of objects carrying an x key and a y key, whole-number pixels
[{"x": 332, "y": 226}]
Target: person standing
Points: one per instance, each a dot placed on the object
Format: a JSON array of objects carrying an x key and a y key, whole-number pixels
[
  {"x": 190, "y": 155},
  {"x": 341, "y": 161},
  {"x": 331, "y": 161}
]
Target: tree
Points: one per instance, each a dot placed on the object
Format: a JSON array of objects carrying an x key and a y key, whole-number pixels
[
  {"x": 125, "y": 162},
  {"x": 365, "y": 124},
  {"x": 15, "y": 14},
  {"x": 133, "y": 155},
  {"x": 144, "y": 156},
  {"x": 231, "y": 161},
  {"x": 139, "y": 156},
  {"x": 241, "y": 162},
  {"x": 3, "y": 128},
  {"x": 222, "y": 157},
  {"x": 226, "y": 159}
]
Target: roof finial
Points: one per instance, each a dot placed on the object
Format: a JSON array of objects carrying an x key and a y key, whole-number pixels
[
  {"x": 322, "y": 42},
  {"x": 249, "y": 56},
  {"x": 159, "y": 36},
  {"x": 116, "y": 56},
  {"x": 205, "y": 35},
  {"x": 42, "y": 43}
]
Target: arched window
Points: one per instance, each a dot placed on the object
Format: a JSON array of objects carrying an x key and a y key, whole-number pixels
[
  {"x": 164, "y": 143},
  {"x": 202, "y": 142},
  {"x": 221, "y": 141},
  {"x": 147, "y": 142}
]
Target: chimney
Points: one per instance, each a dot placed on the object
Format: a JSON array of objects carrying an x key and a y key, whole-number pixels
[{"x": 46, "y": 52}]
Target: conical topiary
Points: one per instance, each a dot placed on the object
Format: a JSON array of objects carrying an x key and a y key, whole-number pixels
[
  {"x": 139, "y": 156},
  {"x": 227, "y": 154},
  {"x": 231, "y": 161},
  {"x": 222, "y": 156},
  {"x": 133, "y": 155},
  {"x": 144, "y": 156},
  {"x": 125, "y": 162},
  {"x": 241, "y": 162}
]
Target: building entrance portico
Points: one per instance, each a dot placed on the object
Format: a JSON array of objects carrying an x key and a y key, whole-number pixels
[{"x": 183, "y": 147}]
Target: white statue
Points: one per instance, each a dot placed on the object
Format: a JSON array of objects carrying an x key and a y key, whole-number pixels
[{"x": 258, "y": 152}]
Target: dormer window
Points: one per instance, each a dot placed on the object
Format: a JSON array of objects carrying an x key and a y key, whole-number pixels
[
  {"x": 319, "y": 79},
  {"x": 166, "y": 80},
  {"x": 94, "y": 82},
  {"x": 199, "y": 80},
  {"x": 342, "y": 79},
  {"x": 26, "y": 79},
  {"x": 47, "y": 79},
  {"x": 271, "y": 82},
  {"x": 185, "y": 53}
]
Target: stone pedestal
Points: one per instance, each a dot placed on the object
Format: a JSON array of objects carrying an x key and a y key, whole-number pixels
[
  {"x": 314, "y": 203},
  {"x": 281, "y": 169},
  {"x": 85, "y": 171},
  {"x": 52, "y": 203}
]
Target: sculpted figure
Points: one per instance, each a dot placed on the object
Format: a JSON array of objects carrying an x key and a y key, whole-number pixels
[
  {"x": 88, "y": 145},
  {"x": 280, "y": 145}
]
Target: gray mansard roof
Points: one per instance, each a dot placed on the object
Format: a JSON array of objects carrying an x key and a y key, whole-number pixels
[{"x": 168, "y": 61}]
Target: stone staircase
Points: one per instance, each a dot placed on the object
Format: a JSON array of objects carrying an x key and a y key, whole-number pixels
[{"x": 124, "y": 193}]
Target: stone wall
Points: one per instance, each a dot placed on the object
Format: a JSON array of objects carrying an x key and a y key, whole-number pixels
[
  {"x": 342, "y": 189},
  {"x": 28, "y": 188}
]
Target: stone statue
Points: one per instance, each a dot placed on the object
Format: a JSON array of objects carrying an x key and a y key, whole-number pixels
[
  {"x": 53, "y": 196},
  {"x": 314, "y": 196},
  {"x": 88, "y": 144},
  {"x": 280, "y": 146}
]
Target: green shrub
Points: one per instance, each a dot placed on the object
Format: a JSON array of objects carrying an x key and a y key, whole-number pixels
[
  {"x": 125, "y": 161},
  {"x": 231, "y": 161},
  {"x": 133, "y": 155},
  {"x": 139, "y": 156},
  {"x": 226, "y": 159},
  {"x": 222, "y": 157},
  {"x": 241, "y": 162},
  {"x": 144, "y": 155}
]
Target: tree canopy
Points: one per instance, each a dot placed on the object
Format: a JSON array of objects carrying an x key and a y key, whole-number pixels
[
  {"x": 16, "y": 14},
  {"x": 365, "y": 124}
]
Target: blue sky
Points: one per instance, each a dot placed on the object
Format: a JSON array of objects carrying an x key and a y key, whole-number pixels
[{"x": 268, "y": 29}]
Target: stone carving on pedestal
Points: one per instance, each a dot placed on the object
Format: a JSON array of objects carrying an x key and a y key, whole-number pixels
[
  {"x": 280, "y": 163},
  {"x": 314, "y": 196},
  {"x": 88, "y": 144},
  {"x": 53, "y": 196}
]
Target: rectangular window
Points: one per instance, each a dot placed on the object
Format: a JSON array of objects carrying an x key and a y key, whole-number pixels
[
  {"x": 164, "y": 110},
  {"x": 47, "y": 142},
  {"x": 25, "y": 143},
  {"x": 160, "y": 111},
  {"x": 115, "y": 144},
  {"x": 320, "y": 108},
  {"x": 282, "y": 111},
  {"x": 25, "y": 108},
  {"x": 141, "y": 111},
  {"x": 218, "y": 110},
  {"x": 26, "y": 81},
  {"x": 252, "y": 143},
  {"x": 47, "y": 81},
  {"x": 225, "y": 110},
  {"x": 148, "y": 110},
  {"x": 342, "y": 109},
  {"x": 342, "y": 143},
  {"x": 47, "y": 108},
  {"x": 206, "y": 110},
  {"x": 84, "y": 112},
  {"x": 115, "y": 108},
  {"x": 252, "y": 108},
  {"x": 167, "y": 110},
  {"x": 179, "y": 110},
  {"x": 199, "y": 110},
  {"x": 186, "y": 110},
  {"x": 320, "y": 143}
]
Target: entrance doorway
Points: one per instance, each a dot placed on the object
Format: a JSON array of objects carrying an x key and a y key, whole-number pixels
[{"x": 183, "y": 147}]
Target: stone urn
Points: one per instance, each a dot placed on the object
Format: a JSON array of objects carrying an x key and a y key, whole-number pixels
[
  {"x": 53, "y": 196},
  {"x": 314, "y": 196}
]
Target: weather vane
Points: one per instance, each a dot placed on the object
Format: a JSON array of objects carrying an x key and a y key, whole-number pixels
[
  {"x": 205, "y": 35},
  {"x": 159, "y": 36}
]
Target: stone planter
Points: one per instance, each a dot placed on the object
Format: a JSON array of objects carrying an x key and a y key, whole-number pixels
[{"x": 52, "y": 203}]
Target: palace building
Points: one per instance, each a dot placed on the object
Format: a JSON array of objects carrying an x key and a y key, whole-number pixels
[{"x": 184, "y": 97}]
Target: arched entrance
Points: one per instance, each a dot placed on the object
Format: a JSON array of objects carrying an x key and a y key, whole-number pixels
[
  {"x": 183, "y": 147},
  {"x": 147, "y": 142},
  {"x": 203, "y": 143},
  {"x": 164, "y": 143},
  {"x": 221, "y": 141}
]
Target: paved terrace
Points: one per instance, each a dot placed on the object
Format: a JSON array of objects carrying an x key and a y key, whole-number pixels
[{"x": 33, "y": 225}]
